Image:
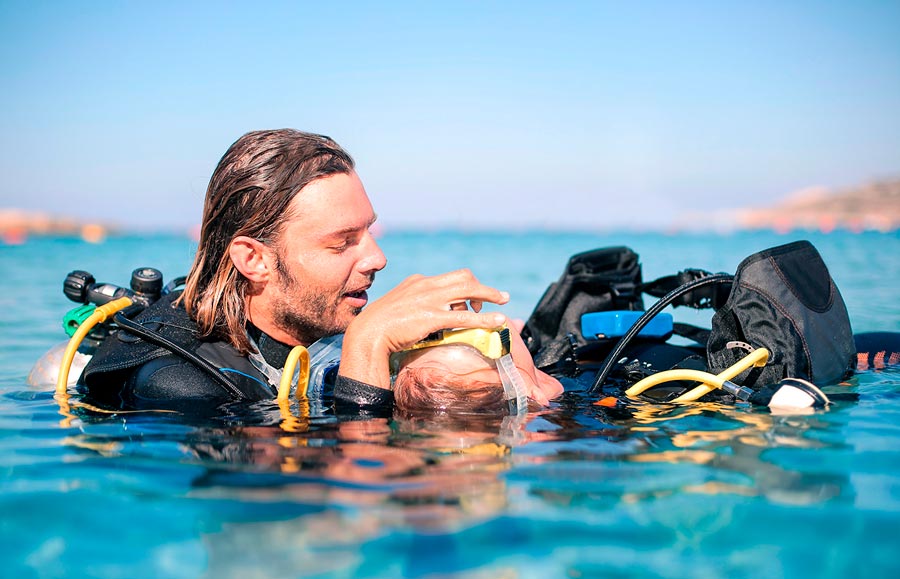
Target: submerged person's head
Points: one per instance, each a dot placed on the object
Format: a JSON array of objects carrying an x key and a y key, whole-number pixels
[
  {"x": 458, "y": 378},
  {"x": 454, "y": 377}
]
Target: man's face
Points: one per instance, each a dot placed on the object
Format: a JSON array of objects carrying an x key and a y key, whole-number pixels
[{"x": 327, "y": 259}]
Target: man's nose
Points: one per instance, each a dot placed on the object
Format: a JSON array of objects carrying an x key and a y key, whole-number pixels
[{"x": 373, "y": 258}]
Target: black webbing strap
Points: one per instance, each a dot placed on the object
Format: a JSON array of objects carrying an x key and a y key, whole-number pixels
[{"x": 711, "y": 296}]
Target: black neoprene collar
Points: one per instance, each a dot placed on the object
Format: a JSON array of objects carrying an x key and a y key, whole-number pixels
[{"x": 273, "y": 351}]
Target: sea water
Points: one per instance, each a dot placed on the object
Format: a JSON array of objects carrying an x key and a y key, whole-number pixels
[{"x": 578, "y": 490}]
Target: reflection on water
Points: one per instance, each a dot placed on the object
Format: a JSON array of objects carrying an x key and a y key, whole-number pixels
[
  {"x": 409, "y": 496},
  {"x": 443, "y": 472}
]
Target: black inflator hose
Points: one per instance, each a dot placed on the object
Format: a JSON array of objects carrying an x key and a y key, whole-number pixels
[{"x": 642, "y": 321}]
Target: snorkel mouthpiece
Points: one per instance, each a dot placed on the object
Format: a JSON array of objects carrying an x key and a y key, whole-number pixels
[{"x": 511, "y": 378}]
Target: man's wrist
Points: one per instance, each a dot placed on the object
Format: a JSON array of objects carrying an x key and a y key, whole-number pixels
[
  {"x": 350, "y": 392},
  {"x": 365, "y": 359}
]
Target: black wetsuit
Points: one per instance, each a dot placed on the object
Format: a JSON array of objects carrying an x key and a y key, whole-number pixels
[{"x": 131, "y": 373}]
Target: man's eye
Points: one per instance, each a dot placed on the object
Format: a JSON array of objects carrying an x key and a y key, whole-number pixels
[{"x": 341, "y": 247}]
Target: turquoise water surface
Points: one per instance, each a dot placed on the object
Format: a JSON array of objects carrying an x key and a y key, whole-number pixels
[{"x": 578, "y": 490}]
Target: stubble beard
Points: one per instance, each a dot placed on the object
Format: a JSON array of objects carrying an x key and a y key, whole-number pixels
[
  {"x": 305, "y": 314},
  {"x": 308, "y": 316}
]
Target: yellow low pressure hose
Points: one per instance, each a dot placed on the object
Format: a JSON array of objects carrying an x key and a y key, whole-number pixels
[
  {"x": 710, "y": 382},
  {"x": 100, "y": 315},
  {"x": 300, "y": 354}
]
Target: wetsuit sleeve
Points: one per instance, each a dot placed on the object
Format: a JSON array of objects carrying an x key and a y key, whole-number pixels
[{"x": 354, "y": 396}]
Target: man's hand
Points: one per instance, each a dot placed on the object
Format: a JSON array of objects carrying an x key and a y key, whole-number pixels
[{"x": 407, "y": 314}]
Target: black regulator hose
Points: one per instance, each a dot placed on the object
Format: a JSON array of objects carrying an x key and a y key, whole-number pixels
[
  {"x": 122, "y": 319},
  {"x": 642, "y": 321}
]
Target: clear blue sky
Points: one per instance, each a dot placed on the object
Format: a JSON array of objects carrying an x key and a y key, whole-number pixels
[{"x": 552, "y": 114}]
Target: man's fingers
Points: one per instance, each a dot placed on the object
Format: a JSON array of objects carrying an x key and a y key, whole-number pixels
[
  {"x": 467, "y": 319},
  {"x": 461, "y": 285},
  {"x": 475, "y": 305}
]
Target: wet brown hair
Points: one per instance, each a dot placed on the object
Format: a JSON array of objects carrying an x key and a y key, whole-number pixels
[
  {"x": 426, "y": 389},
  {"x": 248, "y": 195}
]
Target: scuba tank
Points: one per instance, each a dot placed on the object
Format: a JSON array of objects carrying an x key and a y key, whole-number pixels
[{"x": 81, "y": 287}]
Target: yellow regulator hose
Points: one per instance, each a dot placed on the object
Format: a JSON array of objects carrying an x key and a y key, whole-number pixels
[
  {"x": 300, "y": 354},
  {"x": 709, "y": 382},
  {"x": 100, "y": 315},
  {"x": 291, "y": 422}
]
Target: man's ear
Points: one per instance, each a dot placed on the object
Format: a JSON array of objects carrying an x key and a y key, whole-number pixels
[{"x": 252, "y": 258}]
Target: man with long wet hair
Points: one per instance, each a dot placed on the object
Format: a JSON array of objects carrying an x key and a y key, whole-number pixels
[
  {"x": 248, "y": 204},
  {"x": 285, "y": 258}
]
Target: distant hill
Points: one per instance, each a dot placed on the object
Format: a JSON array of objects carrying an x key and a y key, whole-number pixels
[
  {"x": 17, "y": 225},
  {"x": 874, "y": 206}
]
